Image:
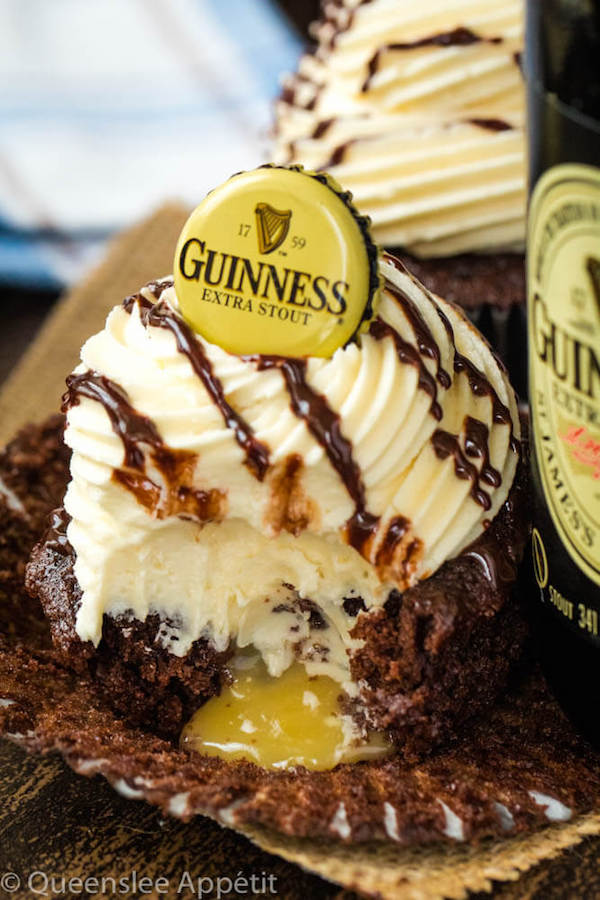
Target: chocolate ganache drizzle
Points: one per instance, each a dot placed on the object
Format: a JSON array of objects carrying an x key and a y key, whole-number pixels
[
  {"x": 481, "y": 387},
  {"x": 479, "y": 383},
  {"x": 134, "y": 429},
  {"x": 457, "y": 37},
  {"x": 491, "y": 124},
  {"x": 307, "y": 404},
  {"x": 162, "y": 316},
  {"x": 409, "y": 356},
  {"x": 56, "y": 535},
  {"x": 398, "y": 529},
  {"x": 426, "y": 342},
  {"x": 324, "y": 423},
  {"x": 339, "y": 18},
  {"x": 338, "y": 153},
  {"x": 477, "y": 445},
  {"x": 445, "y": 445}
]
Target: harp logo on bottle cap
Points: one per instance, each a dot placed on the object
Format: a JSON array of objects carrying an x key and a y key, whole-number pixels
[
  {"x": 277, "y": 261},
  {"x": 272, "y": 226}
]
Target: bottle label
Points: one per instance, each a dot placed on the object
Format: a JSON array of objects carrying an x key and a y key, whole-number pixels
[
  {"x": 563, "y": 272},
  {"x": 277, "y": 261}
]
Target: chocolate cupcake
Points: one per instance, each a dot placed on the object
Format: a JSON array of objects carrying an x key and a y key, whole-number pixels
[
  {"x": 418, "y": 110},
  {"x": 356, "y": 520},
  {"x": 519, "y": 769}
]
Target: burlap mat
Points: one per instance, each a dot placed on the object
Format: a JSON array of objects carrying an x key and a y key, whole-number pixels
[{"x": 34, "y": 390}]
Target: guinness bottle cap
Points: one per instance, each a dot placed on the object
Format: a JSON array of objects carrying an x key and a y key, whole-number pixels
[{"x": 277, "y": 261}]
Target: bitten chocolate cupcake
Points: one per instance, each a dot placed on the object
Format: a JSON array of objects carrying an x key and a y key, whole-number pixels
[
  {"x": 418, "y": 109},
  {"x": 344, "y": 529}
]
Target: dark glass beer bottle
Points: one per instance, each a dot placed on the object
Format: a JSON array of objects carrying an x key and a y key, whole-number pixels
[{"x": 563, "y": 273}]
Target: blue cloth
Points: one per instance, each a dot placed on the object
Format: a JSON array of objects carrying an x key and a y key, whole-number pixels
[{"x": 110, "y": 107}]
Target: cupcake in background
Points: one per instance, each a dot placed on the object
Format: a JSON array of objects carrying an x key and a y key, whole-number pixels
[{"x": 418, "y": 109}]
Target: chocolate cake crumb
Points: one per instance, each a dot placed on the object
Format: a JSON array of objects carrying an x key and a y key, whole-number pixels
[
  {"x": 472, "y": 280},
  {"x": 354, "y": 605},
  {"x": 143, "y": 680},
  {"x": 393, "y": 603},
  {"x": 315, "y": 619},
  {"x": 21, "y": 617}
]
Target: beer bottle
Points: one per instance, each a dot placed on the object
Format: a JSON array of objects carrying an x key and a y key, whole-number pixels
[{"x": 563, "y": 273}]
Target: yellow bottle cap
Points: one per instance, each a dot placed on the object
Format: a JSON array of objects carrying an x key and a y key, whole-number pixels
[{"x": 276, "y": 261}]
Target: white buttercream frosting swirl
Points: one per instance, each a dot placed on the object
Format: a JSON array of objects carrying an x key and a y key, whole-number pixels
[
  {"x": 423, "y": 407},
  {"x": 418, "y": 109}
]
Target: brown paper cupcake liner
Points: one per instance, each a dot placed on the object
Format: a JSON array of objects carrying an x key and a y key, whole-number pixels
[{"x": 46, "y": 709}]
